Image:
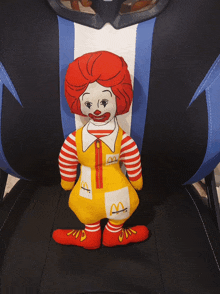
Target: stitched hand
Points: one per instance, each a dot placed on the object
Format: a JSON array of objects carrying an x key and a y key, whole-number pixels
[
  {"x": 138, "y": 184},
  {"x": 67, "y": 185}
]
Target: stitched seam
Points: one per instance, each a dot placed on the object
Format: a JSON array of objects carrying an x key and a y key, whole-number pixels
[
  {"x": 213, "y": 81},
  {"x": 214, "y": 66},
  {"x": 12, "y": 87},
  {"x": 204, "y": 229},
  {"x": 209, "y": 143},
  {"x": 13, "y": 206},
  {"x": 210, "y": 121}
]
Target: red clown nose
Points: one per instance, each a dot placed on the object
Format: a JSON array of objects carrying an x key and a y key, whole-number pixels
[{"x": 97, "y": 112}]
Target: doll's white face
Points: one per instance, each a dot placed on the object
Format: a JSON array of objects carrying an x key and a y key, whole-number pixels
[{"x": 98, "y": 103}]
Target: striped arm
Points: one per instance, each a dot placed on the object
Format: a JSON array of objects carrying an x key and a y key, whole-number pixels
[
  {"x": 68, "y": 159},
  {"x": 131, "y": 158}
]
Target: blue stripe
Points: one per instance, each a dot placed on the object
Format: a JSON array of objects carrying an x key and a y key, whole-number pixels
[
  {"x": 211, "y": 86},
  {"x": 141, "y": 80},
  {"x": 66, "y": 45},
  {"x": 5, "y": 80}
]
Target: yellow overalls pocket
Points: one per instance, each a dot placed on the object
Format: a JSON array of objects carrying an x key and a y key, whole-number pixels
[{"x": 117, "y": 204}]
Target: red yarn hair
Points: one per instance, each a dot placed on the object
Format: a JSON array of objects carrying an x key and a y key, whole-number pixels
[{"x": 106, "y": 68}]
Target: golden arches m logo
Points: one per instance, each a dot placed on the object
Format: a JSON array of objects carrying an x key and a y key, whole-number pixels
[
  {"x": 117, "y": 208},
  {"x": 112, "y": 159},
  {"x": 85, "y": 186}
]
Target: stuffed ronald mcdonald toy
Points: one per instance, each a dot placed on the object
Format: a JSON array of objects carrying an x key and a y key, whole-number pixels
[{"x": 98, "y": 85}]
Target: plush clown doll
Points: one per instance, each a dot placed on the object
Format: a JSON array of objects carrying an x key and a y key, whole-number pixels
[{"x": 98, "y": 86}]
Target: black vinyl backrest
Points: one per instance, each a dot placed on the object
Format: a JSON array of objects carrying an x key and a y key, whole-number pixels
[{"x": 179, "y": 138}]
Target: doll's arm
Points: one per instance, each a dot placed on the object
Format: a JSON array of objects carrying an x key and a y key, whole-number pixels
[
  {"x": 131, "y": 158},
  {"x": 68, "y": 161}
]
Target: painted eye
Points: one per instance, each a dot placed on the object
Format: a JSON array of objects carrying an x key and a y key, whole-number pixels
[
  {"x": 88, "y": 104},
  {"x": 104, "y": 102}
]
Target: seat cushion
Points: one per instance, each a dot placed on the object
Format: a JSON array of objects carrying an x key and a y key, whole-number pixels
[{"x": 177, "y": 258}]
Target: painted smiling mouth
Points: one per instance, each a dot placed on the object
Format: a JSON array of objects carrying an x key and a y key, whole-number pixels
[{"x": 100, "y": 118}]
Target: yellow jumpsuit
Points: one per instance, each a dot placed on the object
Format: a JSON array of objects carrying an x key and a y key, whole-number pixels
[{"x": 102, "y": 191}]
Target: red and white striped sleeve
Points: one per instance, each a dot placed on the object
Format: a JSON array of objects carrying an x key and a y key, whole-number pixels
[
  {"x": 68, "y": 159},
  {"x": 131, "y": 158}
]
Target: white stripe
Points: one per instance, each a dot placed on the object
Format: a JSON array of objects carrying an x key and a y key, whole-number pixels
[
  {"x": 124, "y": 136},
  {"x": 67, "y": 169},
  {"x": 134, "y": 168},
  {"x": 127, "y": 143},
  {"x": 114, "y": 227},
  {"x": 67, "y": 151},
  {"x": 121, "y": 42},
  {"x": 129, "y": 150},
  {"x": 70, "y": 145},
  {"x": 131, "y": 163},
  {"x": 98, "y": 225},
  {"x": 134, "y": 175},
  {"x": 92, "y": 230},
  {"x": 130, "y": 157},
  {"x": 72, "y": 165},
  {"x": 115, "y": 231},
  {"x": 67, "y": 158},
  {"x": 72, "y": 137},
  {"x": 67, "y": 176},
  {"x": 69, "y": 164}
]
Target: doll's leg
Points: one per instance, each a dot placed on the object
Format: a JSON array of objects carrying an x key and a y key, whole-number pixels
[
  {"x": 114, "y": 234},
  {"x": 89, "y": 238}
]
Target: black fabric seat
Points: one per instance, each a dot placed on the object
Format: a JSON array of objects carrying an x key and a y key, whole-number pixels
[
  {"x": 177, "y": 258},
  {"x": 180, "y": 144}
]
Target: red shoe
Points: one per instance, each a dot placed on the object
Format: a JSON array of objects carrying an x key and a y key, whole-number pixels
[
  {"x": 124, "y": 236},
  {"x": 83, "y": 238}
]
